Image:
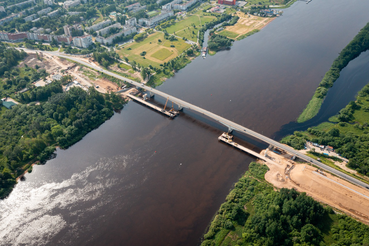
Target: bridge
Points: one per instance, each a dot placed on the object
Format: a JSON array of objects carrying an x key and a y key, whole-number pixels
[{"x": 232, "y": 126}]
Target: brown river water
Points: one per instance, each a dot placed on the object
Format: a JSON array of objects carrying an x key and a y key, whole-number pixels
[{"x": 143, "y": 179}]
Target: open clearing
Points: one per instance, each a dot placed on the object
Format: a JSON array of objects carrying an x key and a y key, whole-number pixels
[
  {"x": 155, "y": 54},
  {"x": 323, "y": 187},
  {"x": 162, "y": 54},
  {"x": 245, "y": 25},
  {"x": 189, "y": 26}
]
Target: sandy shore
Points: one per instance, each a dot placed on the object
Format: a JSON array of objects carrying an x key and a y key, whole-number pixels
[{"x": 321, "y": 186}]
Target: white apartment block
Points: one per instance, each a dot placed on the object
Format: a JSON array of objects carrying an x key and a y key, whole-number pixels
[
  {"x": 106, "y": 30},
  {"x": 131, "y": 22},
  {"x": 49, "y": 2},
  {"x": 70, "y": 4},
  {"x": 44, "y": 11},
  {"x": 30, "y": 18},
  {"x": 156, "y": 19},
  {"x": 109, "y": 40},
  {"x": 99, "y": 25},
  {"x": 54, "y": 13},
  {"x": 82, "y": 42}
]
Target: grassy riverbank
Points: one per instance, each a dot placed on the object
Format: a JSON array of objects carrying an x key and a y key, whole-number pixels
[
  {"x": 254, "y": 213},
  {"x": 358, "y": 45},
  {"x": 348, "y": 133}
]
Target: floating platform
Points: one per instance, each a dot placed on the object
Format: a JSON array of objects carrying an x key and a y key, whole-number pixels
[
  {"x": 170, "y": 113},
  {"x": 228, "y": 139}
]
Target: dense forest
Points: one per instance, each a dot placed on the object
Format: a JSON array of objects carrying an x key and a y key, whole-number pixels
[
  {"x": 358, "y": 45},
  {"x": 255, "y": 214},
  {"x": 347, "y": 132},
  {"x": 30, "y": 133},
  {"x": 218, "y": 42}
]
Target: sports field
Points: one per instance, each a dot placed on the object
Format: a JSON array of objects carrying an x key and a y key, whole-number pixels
[
  {"x": 245, "y": 24},
  {"x": 156, "y": 52}
]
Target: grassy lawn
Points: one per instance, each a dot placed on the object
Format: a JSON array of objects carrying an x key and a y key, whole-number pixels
[
  {"x": 152, "y": 13},
  {"x": 155, "y": 54},
  {"x": 100, "y": 17},
  {"x": 190, "y": 26},
  {"x": 162, "y": 54},
  {"x": 124, "y": 66},
  {"x": 229, "y": 34}
]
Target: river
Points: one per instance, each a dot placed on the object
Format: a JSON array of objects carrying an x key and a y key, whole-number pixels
[{"x": 143, "y": 179}]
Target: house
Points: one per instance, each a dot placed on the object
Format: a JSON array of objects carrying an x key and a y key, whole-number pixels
[
  {"x": 9, "y": 104},
  {"x": 57, "y": 77}
]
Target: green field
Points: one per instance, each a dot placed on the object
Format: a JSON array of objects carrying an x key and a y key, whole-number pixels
[
  {"x": 153, "y": 49},
  {"x": 162, "y": 54},
  {"x": 189, "y": 27},
  {"x": 229, "y": 34}
]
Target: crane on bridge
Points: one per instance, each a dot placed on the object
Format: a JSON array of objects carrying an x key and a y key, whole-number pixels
[{"x": 166, "y": 103}]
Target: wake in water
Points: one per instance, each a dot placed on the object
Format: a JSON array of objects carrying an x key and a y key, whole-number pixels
[{"x": 35, "y": 215}]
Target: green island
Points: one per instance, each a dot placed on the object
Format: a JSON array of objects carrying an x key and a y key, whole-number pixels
[
  {"x": 359, "y": 44},
  {"x": 254, "y": 213}
]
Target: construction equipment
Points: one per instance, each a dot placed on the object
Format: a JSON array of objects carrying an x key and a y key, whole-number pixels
[{"x": 166, "y": 103}]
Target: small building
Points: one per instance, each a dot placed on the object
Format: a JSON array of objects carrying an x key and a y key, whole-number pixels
[
  {"x": 330, "y": 148},
  {"x": 9, "y": 104},
  {"x": 227, "y": 2},
  {"x": 56, "y": 77}
]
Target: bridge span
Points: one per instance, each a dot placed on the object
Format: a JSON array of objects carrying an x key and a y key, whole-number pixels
[{"x": 232, "y": 126}]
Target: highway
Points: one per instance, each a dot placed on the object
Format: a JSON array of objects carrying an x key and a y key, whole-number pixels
[{"x": 230, "y": 124}]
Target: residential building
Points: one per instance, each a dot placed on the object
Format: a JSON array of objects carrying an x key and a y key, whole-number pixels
[
  {"x": 227, "y": 2},
  {"x": 13, "y": 37},
  {"x": 109, "y": 40},
  {"x": 68, "y": 29},
  {"x": 99, "y": 25},
  {"x": 56, "y": 77},
  {"x": 106, "y": 30},
  {"x": 73, "y": 13},
  {"x": 20, "y": 4},
  {"x": 44, "y": 11},
  {"x": 138, "y": 9},
  {"x": 53, "y": 14},
  {"x": 70, "y": 4},
  {"x": 131, "y": 22},
  {"x": 133, "y": 6},
  {"x": 83, "y": 42},
  {"x": 49, "y": 2},
  {"x": 186, "y": 5},
  {"x": 30, "y": 18},
  {"x": 156, "y": 19},
  {"x": 2, "y": 9},
  {"x": 9, "y": 18}
]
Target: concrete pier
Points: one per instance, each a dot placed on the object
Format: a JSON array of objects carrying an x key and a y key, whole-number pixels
[
  {"x": 170, "y": 113},
  {"x": 228, "y": 139}
]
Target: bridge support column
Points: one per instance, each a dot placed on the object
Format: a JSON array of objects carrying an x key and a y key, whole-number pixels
[
  {"x": 180, "y": 108},
  {"x": 230, "y": 130},
  {"x": 151, "y": 94}
]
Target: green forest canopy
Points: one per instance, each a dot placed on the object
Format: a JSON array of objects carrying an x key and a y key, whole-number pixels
[{"x": 255, "y": 214}]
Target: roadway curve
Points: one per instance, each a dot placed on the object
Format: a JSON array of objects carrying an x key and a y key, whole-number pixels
[{"x": 226, "y": 122}]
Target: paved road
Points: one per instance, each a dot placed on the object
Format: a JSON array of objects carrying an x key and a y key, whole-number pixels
[{"x": 230, "y": 124}]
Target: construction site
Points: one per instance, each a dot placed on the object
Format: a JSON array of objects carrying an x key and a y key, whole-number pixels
[
  {"x": 82, "y": 77},
  {"x": 287, "y": 172}
]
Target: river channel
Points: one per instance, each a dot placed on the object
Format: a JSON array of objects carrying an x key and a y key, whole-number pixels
[{"x": 143, "y": 179}]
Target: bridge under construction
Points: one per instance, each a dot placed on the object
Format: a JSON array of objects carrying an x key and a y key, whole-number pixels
[{"x": 232, "y": 126}]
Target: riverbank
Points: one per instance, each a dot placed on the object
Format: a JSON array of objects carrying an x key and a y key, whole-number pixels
[
  {"x": 253, "y": 214},
  {"x": 359, "y": 44}
]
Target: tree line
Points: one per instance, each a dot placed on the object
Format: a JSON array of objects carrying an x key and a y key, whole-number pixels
[
  {"x": 30, "y": 133},
  {"x": 255, "y": 214}
]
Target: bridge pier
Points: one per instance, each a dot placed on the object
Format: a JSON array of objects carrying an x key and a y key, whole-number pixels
[
  {"x": 230, "y": 130},
  {"x": 180, "y": 108},
  {"x": 151, "y": 94}
]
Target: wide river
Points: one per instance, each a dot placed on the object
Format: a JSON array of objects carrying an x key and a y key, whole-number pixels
[{"x": 143, "y": 179}]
